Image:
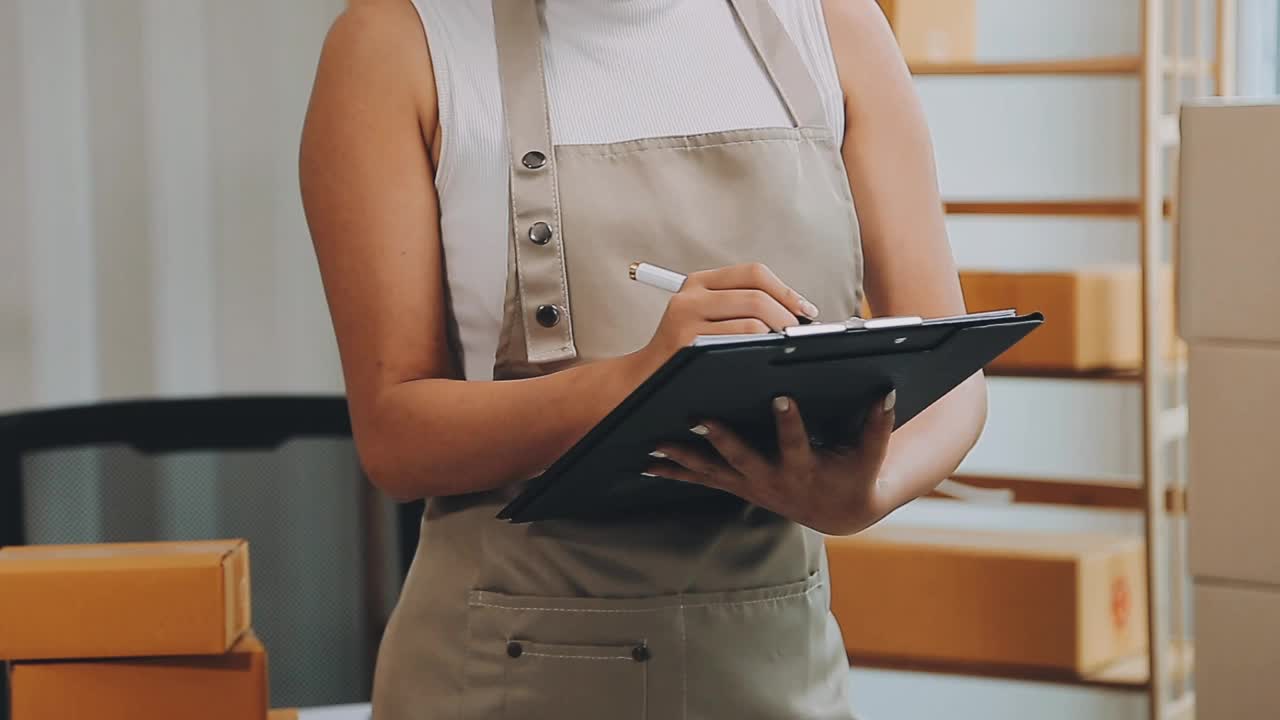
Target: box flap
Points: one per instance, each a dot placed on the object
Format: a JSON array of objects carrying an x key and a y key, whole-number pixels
[
  {"x": 994, "y": 542},
  {"x": 110, "y": 556}
]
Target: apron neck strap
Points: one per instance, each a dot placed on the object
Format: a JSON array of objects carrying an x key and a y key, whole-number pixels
[
  {"x": 541, "y": 280},
  {"x": 781, "y": 59}
]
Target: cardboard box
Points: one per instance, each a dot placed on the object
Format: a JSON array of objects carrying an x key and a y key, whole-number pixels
[
  {"x": 1093, "y": 316},
  {"x": 230, "y": 686},
  {"x": 1237, "y": 633},
  {"x": 1067, "y": 602},
  {"x": 1229, "y": 221},
  {"x": 1234, "y": 405},
  {"x": 934, "y": 30},
  {"x": 286, "y": 714},
  {"x": 123, "y": 600}
]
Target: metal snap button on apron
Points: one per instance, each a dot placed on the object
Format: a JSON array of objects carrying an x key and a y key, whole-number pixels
[
  {"x": 548, "y": 316},
  {"x": 540, "y": 233},
  {"x": 514, "y": 649},
  {"x": 534, "y": 160}
]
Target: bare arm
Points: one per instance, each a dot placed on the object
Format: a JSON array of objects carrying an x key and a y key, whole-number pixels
[
  {"x": 366, "y": 171},
  {"x": 910, "y": 270},
  {"x": 367, "y": 161}
]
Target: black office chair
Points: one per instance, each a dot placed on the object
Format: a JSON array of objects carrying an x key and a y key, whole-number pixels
[{"x": 327, "y": 551}]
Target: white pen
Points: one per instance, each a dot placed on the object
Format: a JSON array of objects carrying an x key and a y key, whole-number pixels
[
  {"x": 657, "y": 277},
  {"x": 670, "y": 280}
]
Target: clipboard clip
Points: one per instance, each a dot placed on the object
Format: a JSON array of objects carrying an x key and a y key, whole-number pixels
[{"x": 853, "y": 323}]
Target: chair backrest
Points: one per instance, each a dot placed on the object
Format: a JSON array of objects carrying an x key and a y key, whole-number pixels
[{"x": 281, "y": 472}]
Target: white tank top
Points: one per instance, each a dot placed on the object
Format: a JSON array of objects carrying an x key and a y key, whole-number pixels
[{"x": 616, "y": 70}]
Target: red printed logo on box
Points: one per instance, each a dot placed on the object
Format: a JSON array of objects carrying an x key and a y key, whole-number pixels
[{"x": 1121, "y": 603}]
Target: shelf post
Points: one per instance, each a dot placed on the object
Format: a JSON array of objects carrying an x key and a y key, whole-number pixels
[
  {"x": 1153, "y": 264},
  {"x": 1225, "y": 48}
]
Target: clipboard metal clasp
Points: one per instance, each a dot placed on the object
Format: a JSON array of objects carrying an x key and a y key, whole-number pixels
[
  {"x": 814, "y": 329},
  {"x": 881, "y": 323},
  {"x": 853, "y": 323}
]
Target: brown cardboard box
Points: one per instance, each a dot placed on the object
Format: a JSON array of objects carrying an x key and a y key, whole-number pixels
[
  {"x": 286, "y": 714},
  {"x": 934, "y": 30},
  {"x": 1234, "y": 404},
  {"x": 230, "y": 686},
  {"x": 1093, "y": 316},
  {"x": 1229, "y": 221},
  {"x": 1067, "y": 602},
  {"x": 124, "y": 600},
  {"x": 1237, "y": 634}
]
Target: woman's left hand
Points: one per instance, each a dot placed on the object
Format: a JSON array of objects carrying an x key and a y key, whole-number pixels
[{"x": 835, "y": 491}]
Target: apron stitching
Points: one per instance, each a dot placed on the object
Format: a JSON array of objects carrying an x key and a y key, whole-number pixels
[
  {"x": 515, "y": 261},
  {"x": 707, "y": 140},
  {"x": 688, "y": 148},
  {"x": 575, "y": 657},
  {"x": 644, "y": 691},
  {"x": 680, "y": 607},
  {"x": 506, "y": 682},
  {"x": 684, "y": 666}
]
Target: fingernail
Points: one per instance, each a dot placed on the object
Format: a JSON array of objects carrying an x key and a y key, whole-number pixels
[
  {"x": 781, "y": 404},
  {"x": 810, "y": 310},
  {"x": 658, "y": 454},
  {"x": 648, "y": 475},
  {"x": 890, "y": 400},
  {"x": 702, "y": 430}
]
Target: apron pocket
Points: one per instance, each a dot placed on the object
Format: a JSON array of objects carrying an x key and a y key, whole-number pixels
[
  {"x": 554, "y": 657},
  {"x": 551, "y": 681},
  {"x": 767, "y": 652}
]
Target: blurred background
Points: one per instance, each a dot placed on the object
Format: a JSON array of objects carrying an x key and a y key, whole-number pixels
[{"x": 152, "y": 245}]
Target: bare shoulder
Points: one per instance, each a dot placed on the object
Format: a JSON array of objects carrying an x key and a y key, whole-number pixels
[
  {"x": 854, "y": 19},
  {"x": 867, "y": 56},
  {"x": 376, "y": 47},
  {"x": 393, "y": 25}
]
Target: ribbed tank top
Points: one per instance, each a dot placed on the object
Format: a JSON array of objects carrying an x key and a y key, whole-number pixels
[{"x": 616, "y": 70}]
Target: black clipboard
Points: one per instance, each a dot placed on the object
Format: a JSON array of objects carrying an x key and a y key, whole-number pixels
[{"x": 828, "y": 368}]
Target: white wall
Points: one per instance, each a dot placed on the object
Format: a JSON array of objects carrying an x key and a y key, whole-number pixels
[
  {"x": 1259, "y": 59},
  {"x": 152, "y": 236}
]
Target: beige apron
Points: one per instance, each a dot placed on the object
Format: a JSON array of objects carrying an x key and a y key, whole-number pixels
[{"x": 718, "y": 610}]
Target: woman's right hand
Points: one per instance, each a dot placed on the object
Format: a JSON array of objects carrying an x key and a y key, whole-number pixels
[{"x": 737, "y": 299}]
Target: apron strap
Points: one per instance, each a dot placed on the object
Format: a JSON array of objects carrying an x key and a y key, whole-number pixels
[
  {"x": 542, "y": 282},
  {"x": 541, "y": 278},
  {"x": 782, "y": 60}
]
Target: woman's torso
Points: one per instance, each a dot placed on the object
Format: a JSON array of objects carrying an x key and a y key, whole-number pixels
[
  {"x": 616, "y": 71},
  {"x": 672, "y": 137}
]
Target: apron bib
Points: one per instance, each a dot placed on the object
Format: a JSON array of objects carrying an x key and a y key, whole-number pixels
[{"x": 714, "y": 611}]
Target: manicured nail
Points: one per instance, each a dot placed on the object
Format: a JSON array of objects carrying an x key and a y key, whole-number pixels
[
  {"x": 648, "y": 475},
  {"x": 890, "y": 400},
  {"x": 781, "y": 404},
  {"x": 702, "y": 430},
  {"x": 810, "y": 310},
  {"x": 658, "y": 454}
]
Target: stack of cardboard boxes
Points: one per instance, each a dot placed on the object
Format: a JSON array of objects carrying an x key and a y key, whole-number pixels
[
  {"x": 131, "y": 632},
  {"x": 1229, "y": 295},
  {"x": 1093, "y": 316},
  {"x": 1048, "y": 604}
]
